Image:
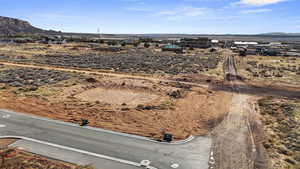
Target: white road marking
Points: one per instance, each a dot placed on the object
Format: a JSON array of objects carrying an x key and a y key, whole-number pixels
[
  {"x": 2, "y": 125},
  {"x": 80, "y": 151},
  {"x": 6, "y": 116},
  {"x": 174, "y": 165},
  {"x": 145, "y": 163}
]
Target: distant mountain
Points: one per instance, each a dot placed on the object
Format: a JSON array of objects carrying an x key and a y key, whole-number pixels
[
  {"x": 280, "y": 34},
  {"x": 13, "y": 26}
]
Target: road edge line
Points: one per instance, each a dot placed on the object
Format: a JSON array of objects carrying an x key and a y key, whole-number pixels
[{"x": 77, "y": 151}]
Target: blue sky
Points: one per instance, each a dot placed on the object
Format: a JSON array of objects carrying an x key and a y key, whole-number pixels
[{"x": 158, "y": 16}]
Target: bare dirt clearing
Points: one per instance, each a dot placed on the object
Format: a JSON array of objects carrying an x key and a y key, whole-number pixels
[
  {"x": 115, "y": 96},
  {"x": 143, "y": 104},
  {"x": 136, "y": 106}
]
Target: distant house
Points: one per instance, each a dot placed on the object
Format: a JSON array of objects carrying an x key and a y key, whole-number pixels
[
  {"x": 172, "y": 48},
  {"x": 276, "y": 44},
  {"x": 215, "y": 43},
  {"x": 294, "y": 54},
  {"x": 240, "y": 43},
  {"x": 246, "y": 45},
  {"x": 168, "y": 41},
  {"x": 23, "y": 40},
  {"x": 53, "y": 40},
  {"x": 129, "y": 42},
  {"x": 201, "y": 42},
  {"x": 146, "y": 40},
  {"x": 295, "y": 46}
]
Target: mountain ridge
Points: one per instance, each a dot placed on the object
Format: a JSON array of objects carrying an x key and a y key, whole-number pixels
[{"x": 12, "y": 26}]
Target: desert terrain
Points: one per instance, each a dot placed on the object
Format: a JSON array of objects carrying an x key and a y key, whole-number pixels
[
  {"x": 147, "y": 92},
  {"x": 150, "y": 102}
]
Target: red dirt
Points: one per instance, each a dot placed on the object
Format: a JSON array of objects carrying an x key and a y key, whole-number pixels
[
  {"x": 196, "y": 114},
  {"x": 6, "y": 142},
  {"x": 18, "y": 159}
]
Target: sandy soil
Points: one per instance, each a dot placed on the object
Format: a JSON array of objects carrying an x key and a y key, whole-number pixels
[
  {"x": 5, "y": 142},
  {"x": 115, "y": 96}
]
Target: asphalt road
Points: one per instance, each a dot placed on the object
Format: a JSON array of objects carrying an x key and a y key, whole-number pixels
[{"x": 100, "y": 147}]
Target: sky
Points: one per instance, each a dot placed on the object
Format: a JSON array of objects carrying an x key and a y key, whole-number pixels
[{"x": 158, "y": 16}]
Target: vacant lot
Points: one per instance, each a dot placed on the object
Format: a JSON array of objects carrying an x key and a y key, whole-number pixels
[
  {"x": 136, "y": 106},
  {"x": 131, "y": 105},
  {"x": 128, "y": 60},
  {"x": 273, "y": 68}
]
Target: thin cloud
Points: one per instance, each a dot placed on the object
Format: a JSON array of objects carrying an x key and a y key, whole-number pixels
[
  {"x": 181, "y": 13},
  {"x": 253, "y": 11},
  {"x": 259, "y": 2},
  {"x": 138, "y": 9},
  {"x": 191, "y": 11},
  {"x": 165, "y": 13}
]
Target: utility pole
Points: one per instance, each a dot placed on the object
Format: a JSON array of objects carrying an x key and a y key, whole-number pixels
[{"x": 98, "y": 30}]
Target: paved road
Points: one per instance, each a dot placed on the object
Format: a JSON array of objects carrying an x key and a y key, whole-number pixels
[
  {"x": 70, "y": 156},
  {"x": 103, "y": 145}
]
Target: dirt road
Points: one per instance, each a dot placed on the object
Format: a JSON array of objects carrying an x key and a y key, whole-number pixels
[{"x": 235, "y": 145}]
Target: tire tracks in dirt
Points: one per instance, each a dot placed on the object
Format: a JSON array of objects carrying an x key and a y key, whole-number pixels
[{"x": 234, "y": 143}]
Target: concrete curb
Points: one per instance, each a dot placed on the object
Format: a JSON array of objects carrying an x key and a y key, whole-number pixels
[{"x": 185, "y": 141}]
